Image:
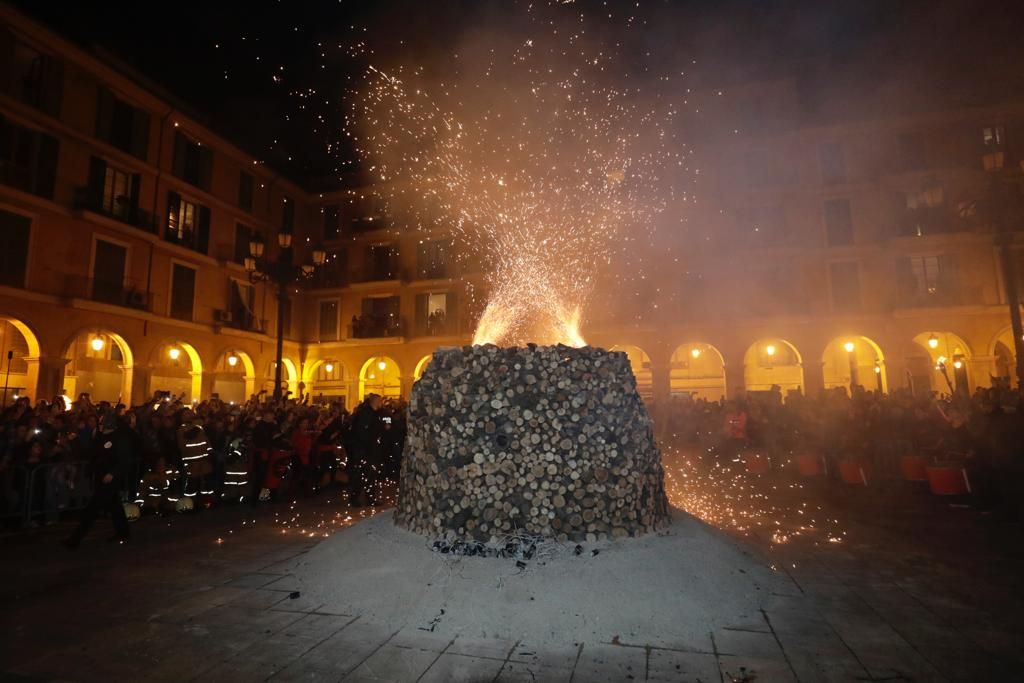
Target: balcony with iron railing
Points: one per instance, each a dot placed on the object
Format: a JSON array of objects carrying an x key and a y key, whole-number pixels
[
  {"x": 376, "y": 326},
  {"x": 121, "y": 209},
  {"x": 127, "y": 294},
  {"x": 435, "y": 325},
  {"x": 939, "y": 295}
]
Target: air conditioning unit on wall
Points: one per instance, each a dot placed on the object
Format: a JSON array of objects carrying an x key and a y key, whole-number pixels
[{"x": 222, "y": 316}]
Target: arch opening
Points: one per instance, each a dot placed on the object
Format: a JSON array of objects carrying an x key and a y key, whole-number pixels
[
  {"x": 327, "y": 382},
  {"x": 177, "y": 368},
  {"x": 421, "y": 367},
  {"x": 100, "y": 363},
  {"x": 21, "y": 371},
  {"x": 938, "y": 362},
  {"x": 854, "y": 360},
  {"x": 773, "y": 362},
  {"x": 380, "y": 375},
  {"x": 289, "y": 377},
  {"x": 234, "y": 376},
  {"x": 697, "y": 370}
]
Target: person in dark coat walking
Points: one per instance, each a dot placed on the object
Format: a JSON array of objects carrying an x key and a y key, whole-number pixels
[
  {"x": 113, "y": 461},
  {"x": 365, "y": 462}
]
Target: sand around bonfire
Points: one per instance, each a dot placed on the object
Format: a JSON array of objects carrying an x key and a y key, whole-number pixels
[{"x": 669, "y": 589}]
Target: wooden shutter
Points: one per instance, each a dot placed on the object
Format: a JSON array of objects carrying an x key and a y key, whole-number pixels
[
  {"x": 451, "y": 313},
  {"x": 173, "y": 212},
  {"x": 104, "y": 113},
  {"x": 14, "y": 234},
  {"x": 140, "y": 134},
  {"x": 6, "y": 58},
  {"x": 52, "y": 85},
  {"x": 422, "y": 302},
  {"x": 180, "y": 153},
  {"x": 202, "y": 242},
  {"x": 136, "y": 183},
  {"x": 205, "y": 167},
  {"x": 97, "y": 180},
  {"x": 45, "y": 176}
]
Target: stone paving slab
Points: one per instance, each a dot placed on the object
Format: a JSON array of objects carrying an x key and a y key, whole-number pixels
[
  {"x": 392, "y": 664},
  {"x": 452, "y": 668},
  {"x": 690, "y": 667},
  {"x": 524, "y": 672}
]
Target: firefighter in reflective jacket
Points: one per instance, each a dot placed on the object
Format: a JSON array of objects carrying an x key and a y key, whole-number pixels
[{"x": 195, "y": 456}]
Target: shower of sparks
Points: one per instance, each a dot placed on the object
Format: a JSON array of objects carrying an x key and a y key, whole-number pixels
[
  {"x": 544, "y": 150},
  {"x": 726, "y": 496}
]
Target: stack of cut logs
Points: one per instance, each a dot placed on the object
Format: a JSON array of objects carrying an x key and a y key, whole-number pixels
[{"x": 549, "y": 441}]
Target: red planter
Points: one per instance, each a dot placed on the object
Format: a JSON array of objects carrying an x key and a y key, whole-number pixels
[
  {"x": 948, "y": 480},
  {"x": 810, "y": 465},
  {"x": 757, "y": 463},
  {"x": 914, "y": 467},
  {"x": 855, "y": 472}
]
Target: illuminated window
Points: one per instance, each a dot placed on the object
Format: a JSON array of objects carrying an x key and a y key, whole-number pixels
[{"x": 993, "y": 136}]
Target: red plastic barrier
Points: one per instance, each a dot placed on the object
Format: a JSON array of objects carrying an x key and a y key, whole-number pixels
[
  {"x": 757, "y": 463},
  {"x": 855, "y": 472},
  {"x": 913, "y": 467},
  {"x": 948, "y": 480},
  {"x": 810, "y": 465}
]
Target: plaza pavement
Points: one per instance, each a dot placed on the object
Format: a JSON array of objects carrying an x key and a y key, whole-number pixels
[{"x": 918, "y": 591}]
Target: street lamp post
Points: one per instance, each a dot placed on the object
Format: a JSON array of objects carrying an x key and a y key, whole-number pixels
[{"x": 283, "y": 273}]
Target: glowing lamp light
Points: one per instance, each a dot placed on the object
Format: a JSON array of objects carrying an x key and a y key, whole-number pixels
[
  {"x": 933, "y": 342},
  {"x": 695, "y": 352},
  {"x": 958, "y": 364},
  {"x": 372, "y": 376},
  {"x": 232, "y": 360},
  {"x": 848, "y": 346},
  {"x": 878, "y": 369},
  {"x": 329, "y": 367},
  {"x": 174, "y": 353},
  {"x": 770, "y": 349},
  {"x": 97, "y": 343},
  {"x": 382, "y": 365}
]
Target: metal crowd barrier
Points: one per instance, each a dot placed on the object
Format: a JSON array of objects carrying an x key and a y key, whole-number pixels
[{"x": 35, "y": 492}]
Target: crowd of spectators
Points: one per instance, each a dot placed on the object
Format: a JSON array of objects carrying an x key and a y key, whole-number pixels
[
  {"x": 57, "y": 454},
  {"x": 983, "y": 432}
]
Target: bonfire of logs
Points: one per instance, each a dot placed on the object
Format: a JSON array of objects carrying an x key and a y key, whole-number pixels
[{"x": 551, "y": 441}]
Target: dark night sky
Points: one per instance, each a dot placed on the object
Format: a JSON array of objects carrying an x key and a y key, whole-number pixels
[{"x": 221, "y": 58}]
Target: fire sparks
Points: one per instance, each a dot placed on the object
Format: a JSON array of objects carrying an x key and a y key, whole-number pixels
[
  {"x": 732, "y": 500},
  {"x": 539, "y": 152}
]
